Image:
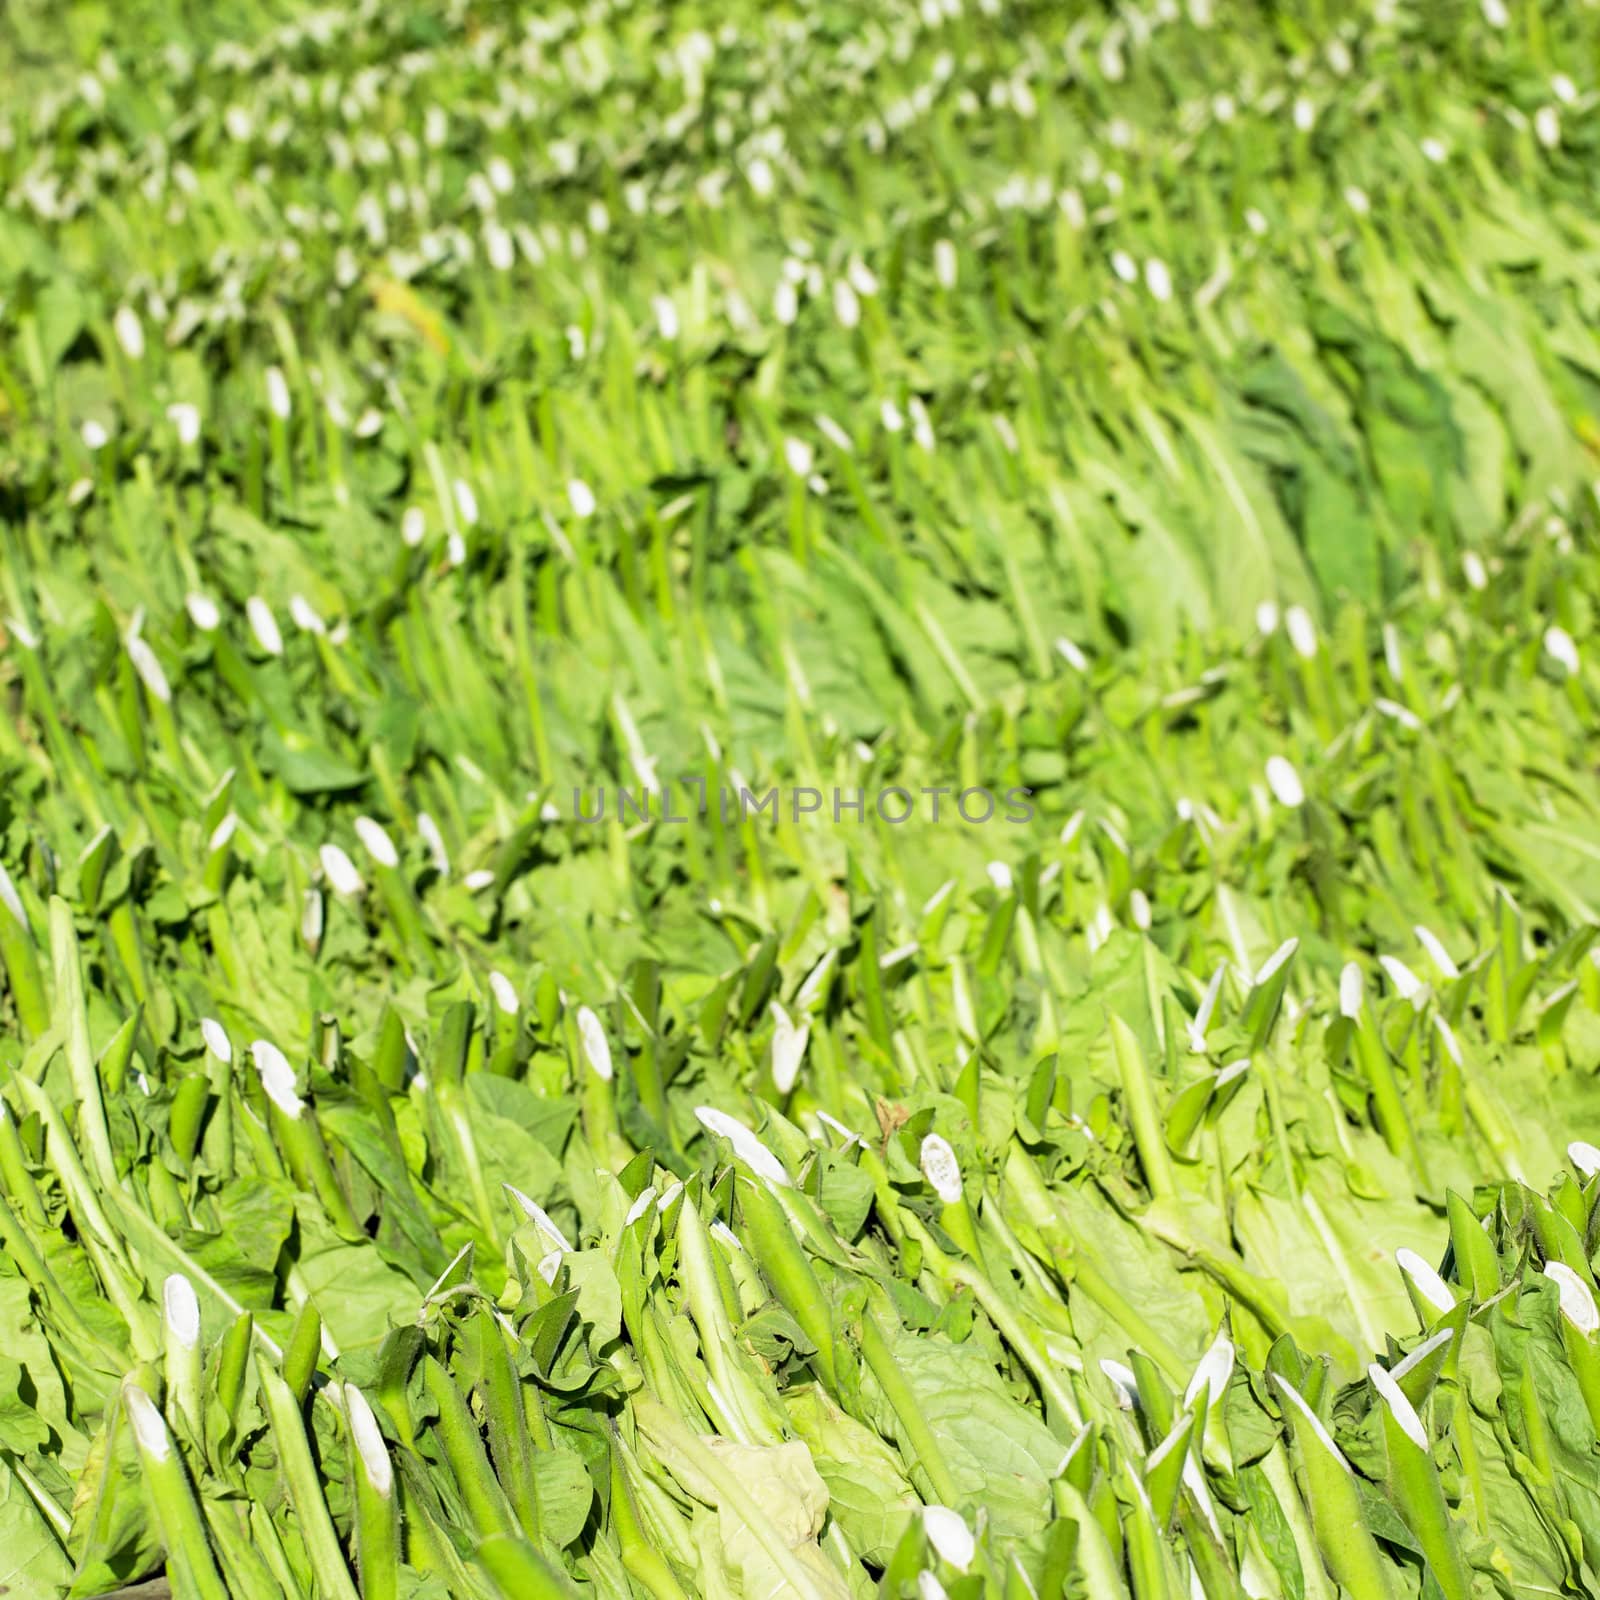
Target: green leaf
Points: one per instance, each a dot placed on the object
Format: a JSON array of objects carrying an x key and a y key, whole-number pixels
[
  {"x": 307, "y": 767},
  {"x": 1000, "y": 1454},
  {"x": 868, "y": 1493},
  {"x": 565, "y": 1493},
  {"x": 32, "y": 1562},
  {"x": 358, "y": 1295}
]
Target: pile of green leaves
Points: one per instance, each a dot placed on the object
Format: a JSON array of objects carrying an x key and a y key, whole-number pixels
[{"x": 415, "y": 421}]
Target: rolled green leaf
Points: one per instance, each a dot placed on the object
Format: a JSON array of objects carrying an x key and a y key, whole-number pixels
[
  {"x": 233, "y": 1363},
  {"x": 1477, "y": 1265},
  {"x": 1265, "y": 999},
  {"x": 377, "y": 1511},
  {"x": 509, "y": 1439},
  {"x": 1134, "y": 1075},
  {"x": 1420, "y": 1370},
  {"x": 596, "y": 1090},
  {"x": 20, "y": 959},
  {"x": 15, "y": 1177},
  {"x": 71, "y": 1015},
  {"x": 394, "y": 887},
  {"x": 183, "y": 1531},
  {"x": 1580, "y": 1324},
  {"x": 181, "y": 1325},
  {"x": 735, "y": 1387},
  {"x": 902, "y": 1400},
  {"x": 519, "y": 1572},
  {"x": 1429, "y": 1294},
  {"x": 301, "y": 1479},
  {"x": 1148, "y": 1561},
  {"x": 300, "y": 1139},
  {"x": 1164, "y": 1470},
  {"x": 457, "y": 1429},
  {"x": 942, "y": 1172},
  {"x": 219, "y": 1072},
  {"x": 783, "y": 1262},
  {"x": 188, "y": 1116},
  {"x": 640, "y": 1557},
  {"x": 1414, "y": 1484},
  {"x": 1337, "y": 1518},
  {"x": 303, "y": 1350}
]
